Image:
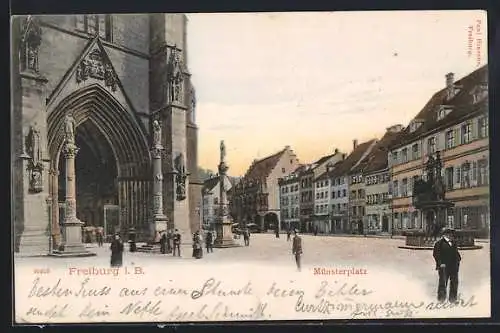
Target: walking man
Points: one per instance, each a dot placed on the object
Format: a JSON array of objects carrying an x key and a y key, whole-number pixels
[
  {"x": 246, "y": 237},
  {"x": 177, "y": 242},
  {"x": 288, "y": 234},
  {"x": 447, "y": 260},
  {"x": 297, "y": 248}
]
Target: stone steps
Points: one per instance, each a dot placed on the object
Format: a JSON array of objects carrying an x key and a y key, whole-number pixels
[{"x": 149, "y": 248}]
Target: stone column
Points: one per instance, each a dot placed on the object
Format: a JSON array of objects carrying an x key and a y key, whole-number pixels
[
  {"x": 73, "y": 245},
  {"x": 224, "y": 224},
  {"x": 159, "y": 220},
  {"x": 54, "y": 191}
]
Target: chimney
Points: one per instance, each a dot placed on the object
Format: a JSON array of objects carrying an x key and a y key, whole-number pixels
[
  {"x": 336, "y": 151},
  {"x": 343, "y": 156},
  {"x": 450, "y": 87},
  {"x": 355, "y": 143}
]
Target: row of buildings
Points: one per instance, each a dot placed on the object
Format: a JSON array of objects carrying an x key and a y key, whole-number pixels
[{"x": 369, "y": 190}]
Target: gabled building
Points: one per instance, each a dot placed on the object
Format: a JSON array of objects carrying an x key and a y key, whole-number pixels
[
  {"x": 256, "y": 198},
  {"x": 378, "y": 215},
  {"x": 309, "y": 188},
  {"x": 454, "y": 122},
  {"x": 340, "y": 183},
  {"x": 210, "y": 200},
  {"x": 290, "y": 200}
]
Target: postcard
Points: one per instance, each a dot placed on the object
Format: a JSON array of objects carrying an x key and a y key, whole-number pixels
[{"x": 250, "y": 167}]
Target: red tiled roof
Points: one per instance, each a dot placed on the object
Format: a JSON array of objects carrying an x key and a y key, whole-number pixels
[
  {"x": 377, "y": 159},
  {"x": 461, "y": 103},
  {"x": 346, "y": 165},
  {"x": 262, "y": 168}
]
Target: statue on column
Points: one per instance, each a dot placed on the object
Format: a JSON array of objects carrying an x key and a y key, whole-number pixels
[
  {"x": 181, "y": 177},
  {"x": 222, "y": 151},
  {"x": 69, "y": 129},
  {"x": 156, "y": 133}
]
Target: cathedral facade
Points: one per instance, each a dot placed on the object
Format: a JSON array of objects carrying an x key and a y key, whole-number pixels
[{"x": 114, "y": 75}]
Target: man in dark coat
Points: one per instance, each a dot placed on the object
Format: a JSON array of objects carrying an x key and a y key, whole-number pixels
[
  {"x": 116, "y": 252},
  {"x": 297, "y": 248},
  {"x": 177, "y": 242},
  {"x": 246, "y": 237},
  {"x": 163, "y": 243},
  {"x": 447, "y": 260},
  {"x": 169, "y": 241},
  {"x": 209, "y": 240}
]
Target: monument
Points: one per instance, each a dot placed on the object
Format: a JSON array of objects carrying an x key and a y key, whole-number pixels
[
  {"x": 429, "y": 199},
  {"x": 72, "y": 245},
  {"x": 223, "y": 224},
  {"x": 158, "y": 219}
]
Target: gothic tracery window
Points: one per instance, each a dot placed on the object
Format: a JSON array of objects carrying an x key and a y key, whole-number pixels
[{"x": 94, "y": 24}]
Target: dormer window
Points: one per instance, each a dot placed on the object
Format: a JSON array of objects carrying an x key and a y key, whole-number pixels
[
  {"x": 415, "y": 124},
  {"x": 479, "y": 93},
  {"x": 442, "y": 111},
  {"x": 93, "y": 24}
]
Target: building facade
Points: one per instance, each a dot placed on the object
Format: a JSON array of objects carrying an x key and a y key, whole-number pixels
[
  {"x": 344, "y": 211},
  {"x": 211, "y": 200},
  {"x": 290, "y": 203},
  {"x": 308, "y": 176},
  {"x": 256, "y": 198},
  {"x": 455, "y": 123},
  {"x": 378, "y": 208},
  {"x": 113, "y": 74}
]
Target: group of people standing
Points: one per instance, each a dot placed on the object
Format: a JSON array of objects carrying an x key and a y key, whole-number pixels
[{"x": 170, "y": 242}]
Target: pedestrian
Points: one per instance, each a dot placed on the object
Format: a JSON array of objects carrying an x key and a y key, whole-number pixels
[
  {"x": 246, "y": 237},
  {"x": 316, "y": 230},
  {"x": 169, "y": 241},
  {"x": 100, "y": 237},
  {"x": 177, "y": 242},
  {"x": 447, "y": 260},
  {"x": 197, "y": 245},
  {"x": 277, "y": 231},
  {"x": 209, "y": 241},
  {"x": 297, "y": 249},
  {"x": 163, "y": 243},
  {"x": 116, "y": 252},
  {"x": 288, "y": 234}
]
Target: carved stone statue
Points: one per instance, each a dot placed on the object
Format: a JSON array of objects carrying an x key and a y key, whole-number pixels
[
  {"x": 175, "y": 78},
  {"x": 32, "y": 39},
  {"x": 69, "y": 129},
  {"x": 181, "y": 177},
  {"x": 34, "y": 145},
  {"x": 156, "y": 133},
  {"x": 222, "y": 151},
  {"x": 430, "y": 169}
]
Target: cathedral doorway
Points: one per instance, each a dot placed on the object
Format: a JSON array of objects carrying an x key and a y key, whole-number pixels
[{"x": 96, "y": 175}]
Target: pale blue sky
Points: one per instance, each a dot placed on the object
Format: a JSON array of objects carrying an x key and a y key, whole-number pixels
[{"x": 316, "y": 81}]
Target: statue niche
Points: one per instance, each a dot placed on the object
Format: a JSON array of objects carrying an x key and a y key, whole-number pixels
[
  {"x": 35, "y": 164},
  {"x": 175, "y": 76},
  {"x": 180, "y": 177},
  {"x": 30, "y": 44}
]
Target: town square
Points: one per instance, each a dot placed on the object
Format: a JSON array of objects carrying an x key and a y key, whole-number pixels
[{"x": 142, "y": 146}]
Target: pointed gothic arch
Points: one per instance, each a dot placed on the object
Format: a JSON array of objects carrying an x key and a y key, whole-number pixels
[{"x": 126, "y": 139}]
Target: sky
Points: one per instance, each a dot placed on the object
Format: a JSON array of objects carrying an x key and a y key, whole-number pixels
[{"x": 317, "y": 81}]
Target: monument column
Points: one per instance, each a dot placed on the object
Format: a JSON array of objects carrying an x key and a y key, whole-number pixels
[
  {"x": 73, "y": 245},
  {"x": 223, "y": 225},
  {"x": 159, "y": 219}
]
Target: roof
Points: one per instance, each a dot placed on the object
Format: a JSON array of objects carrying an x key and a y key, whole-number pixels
[
  {"x": 460, "y": 103},
  {"x": 323, "y": 159},
  {"x": 263, "y": 167},
  {"x": 210, "y": 183},
  {"x": 346, "y": 165},
  {"x": 377, "y": 159}
]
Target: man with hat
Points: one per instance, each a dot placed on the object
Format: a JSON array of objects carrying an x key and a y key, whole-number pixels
[
  {"x": 447, "y": 260},
  {"x": 297, "y": 248}
]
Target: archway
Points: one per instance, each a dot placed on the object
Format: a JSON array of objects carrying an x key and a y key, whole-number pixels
[
  {"x": 271, "y": 221},
  {"x": 113, "y": 162}
]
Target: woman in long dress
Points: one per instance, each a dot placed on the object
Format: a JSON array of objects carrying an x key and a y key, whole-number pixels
[
  {"x": 116, "y": 252},
  {"x": 197, "y": 246}
]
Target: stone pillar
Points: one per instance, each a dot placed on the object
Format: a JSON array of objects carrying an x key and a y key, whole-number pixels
[
  {"x": 224, "y": 224},
  {"x": 54, "y": 191},
  {"x": 159, "y": 219}
]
